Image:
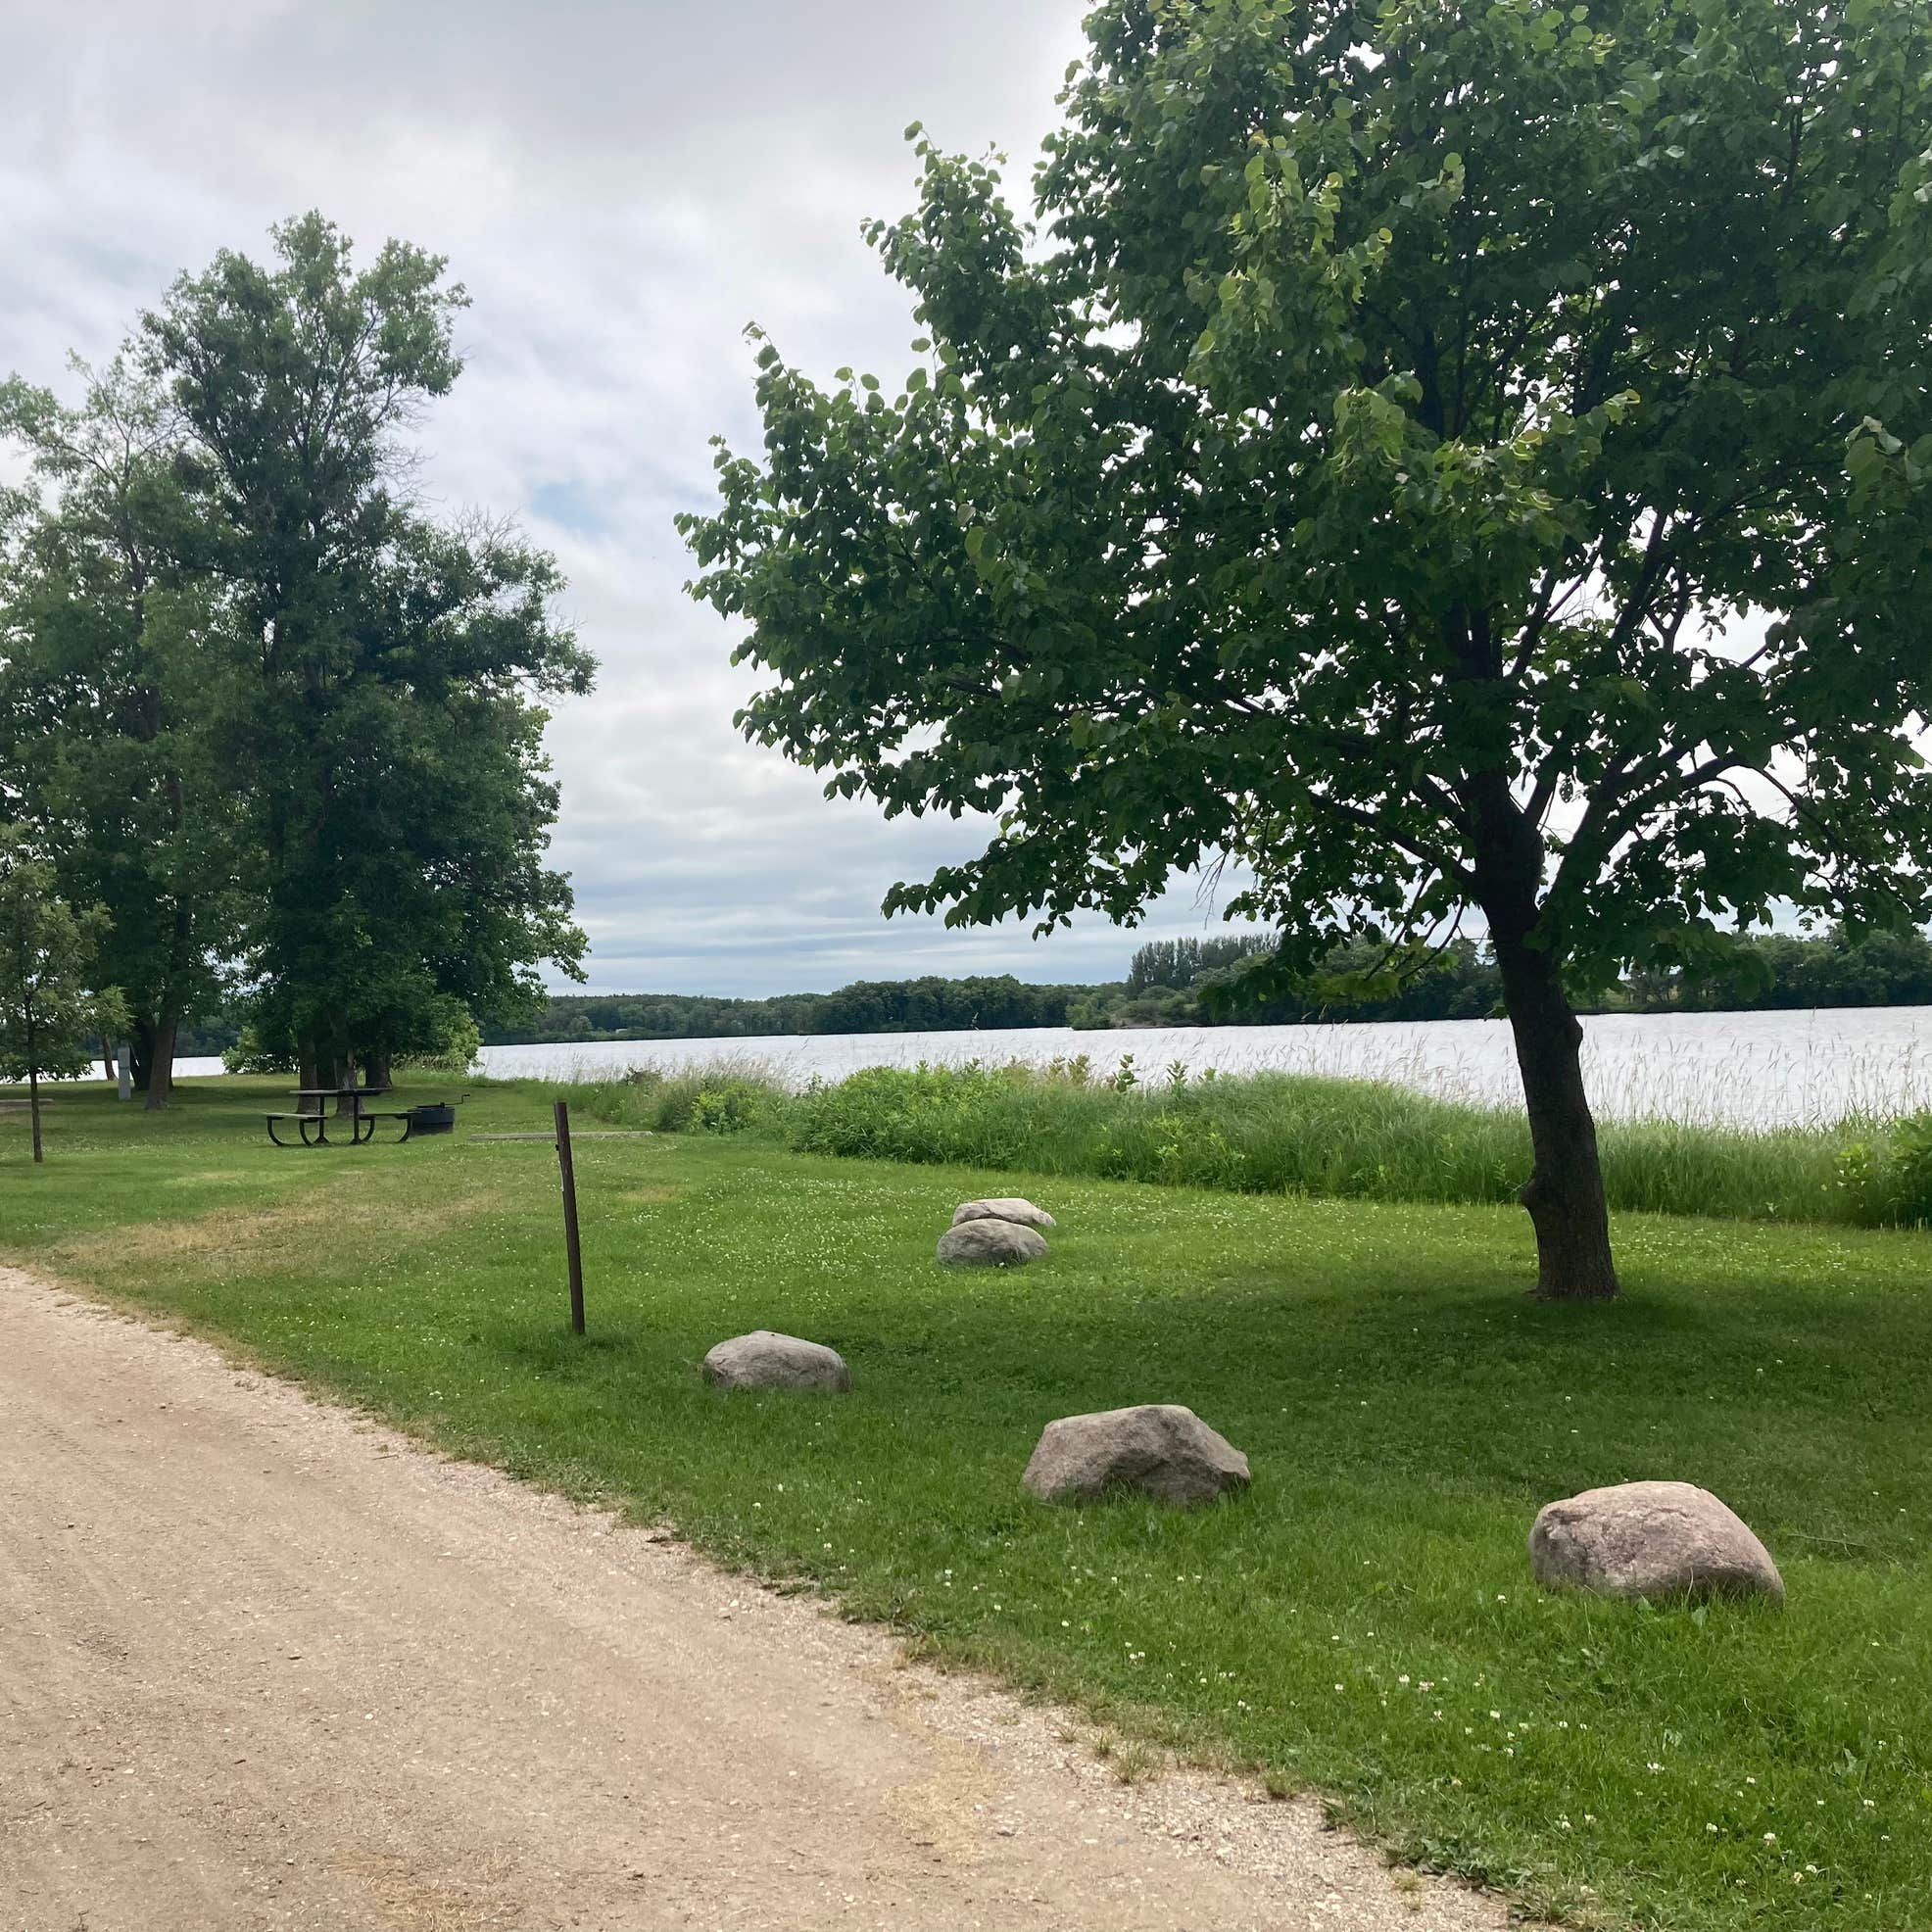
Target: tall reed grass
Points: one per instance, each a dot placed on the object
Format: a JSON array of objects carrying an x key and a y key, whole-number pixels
[{"x": 1278, "y": 1133}]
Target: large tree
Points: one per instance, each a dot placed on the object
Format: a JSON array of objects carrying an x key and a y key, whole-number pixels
[
  {"x": 1438, "y": 455},
  {"x": 384, "y": 734},
  {"x": 112, "y": 665}
]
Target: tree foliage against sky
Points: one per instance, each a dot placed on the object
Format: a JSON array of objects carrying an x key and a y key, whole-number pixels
[
  {"x": 384, "y": 738},
  {"x": 279, "y": 721},
  {"x": 111, "y": 674},
  {"x": 1440, "y": 456}
]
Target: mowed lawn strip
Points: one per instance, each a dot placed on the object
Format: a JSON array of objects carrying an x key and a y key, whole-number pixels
[{"x": 1361, "y": 1623}]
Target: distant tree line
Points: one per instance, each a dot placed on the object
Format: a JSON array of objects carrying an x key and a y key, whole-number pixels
[
  {"x": 1215, "y": 982},
  {"x": 929, "y": 1004},
  {"x": 1235, "y": 979}
]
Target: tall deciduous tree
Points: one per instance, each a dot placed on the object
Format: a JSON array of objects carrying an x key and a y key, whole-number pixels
[
  {"x": 112, "y": 665},
  {"x": 1441, "y": 455},
  {"x": 51, "y": 1008},
  {"x": 384, "y": 732}
]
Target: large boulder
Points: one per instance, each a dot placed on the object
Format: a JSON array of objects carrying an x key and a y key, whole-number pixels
[
  {"x": 1159, "y": 1449},
  {"x": 763, "y": 1360},
  {"x": 990, "y": 1244},
  {"x": 1005, "y": 1207},
  {"x": 1650, "y": 1539}
]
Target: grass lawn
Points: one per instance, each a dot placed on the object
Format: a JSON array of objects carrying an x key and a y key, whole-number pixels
[{"x": 1363, "y": 1623}]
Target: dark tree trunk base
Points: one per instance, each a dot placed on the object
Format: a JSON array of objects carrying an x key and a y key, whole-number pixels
[
  {"x": 161, "y": 1064},
  {"x": 1565, "y": 1194}
]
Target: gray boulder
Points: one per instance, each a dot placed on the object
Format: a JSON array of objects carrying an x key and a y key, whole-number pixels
[
  {"x": 1159, "y": 1449},
  {"x": 763, "y": 1360},
  {"x": 990, "y": 1244},
  {"x": 1650, "y": 1539},
  {"x": 1006, "y": 1207}
]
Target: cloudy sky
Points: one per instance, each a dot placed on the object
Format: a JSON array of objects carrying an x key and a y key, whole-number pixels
[{"x": 621, "y": 187}]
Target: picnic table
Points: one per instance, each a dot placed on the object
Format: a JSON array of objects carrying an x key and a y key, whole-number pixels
[{"x": 313, "y": 1122}]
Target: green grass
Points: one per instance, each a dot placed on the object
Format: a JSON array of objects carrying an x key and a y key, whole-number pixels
[
  {"x": 1284, "y": 1134},
  {"x": 1405, "y": 1407}
]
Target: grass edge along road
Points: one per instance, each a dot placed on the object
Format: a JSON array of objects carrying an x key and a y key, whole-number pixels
[{"x": 1362, "y": 1623}]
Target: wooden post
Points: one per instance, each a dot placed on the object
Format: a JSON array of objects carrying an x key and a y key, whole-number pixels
[{"x": 572, "y": 1252}]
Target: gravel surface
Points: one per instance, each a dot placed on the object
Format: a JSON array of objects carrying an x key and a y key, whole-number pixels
[{"x": 265, "y": 1664}]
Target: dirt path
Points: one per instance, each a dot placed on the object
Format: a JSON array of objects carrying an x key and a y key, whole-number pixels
[{"x": 264, "y": 1665}]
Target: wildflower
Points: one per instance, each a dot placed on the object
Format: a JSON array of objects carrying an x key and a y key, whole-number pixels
[{"x": 1771, "y": 1838}]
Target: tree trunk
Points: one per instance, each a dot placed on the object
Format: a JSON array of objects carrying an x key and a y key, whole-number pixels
[
  {"x": 305, "y": 1058},
  {"x": 1565, "y": 1192},
  {"x": 376, "y": 1072},
  {"x": 143, "y": 1053},
  {"x": 32, "y": 1076},
  {"x": 161, "y": 1062}
]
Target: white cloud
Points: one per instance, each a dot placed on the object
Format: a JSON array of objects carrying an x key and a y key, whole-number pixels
[{"x": 621, "y": 188}]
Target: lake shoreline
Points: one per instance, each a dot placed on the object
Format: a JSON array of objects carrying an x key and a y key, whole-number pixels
[{"x": 1776, "y": 1069}]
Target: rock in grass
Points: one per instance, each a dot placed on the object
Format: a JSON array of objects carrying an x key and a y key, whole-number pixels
[
  {"x": 763, "y": 1360},
  {"x": 990, "y": 1244},
  {"x": 1159, "y": 1449},
  {"x": 1650, "y": 1539},
  {"x": 1006, "y": 1207}
]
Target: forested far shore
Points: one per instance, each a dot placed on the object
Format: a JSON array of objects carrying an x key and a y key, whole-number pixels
[{"x": 1199, "y": 982}]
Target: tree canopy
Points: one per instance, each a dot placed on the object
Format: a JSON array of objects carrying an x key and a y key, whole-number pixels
[
  {"x": 282, "y": 724},
  {"x": 112, "y": 672},
  {"x": 1439, "y": 457}
]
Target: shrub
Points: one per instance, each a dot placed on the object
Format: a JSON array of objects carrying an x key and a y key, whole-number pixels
[{"x": 1888, "y": 1184}]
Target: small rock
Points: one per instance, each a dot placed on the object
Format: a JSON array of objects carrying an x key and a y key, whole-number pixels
[
  {"x": 1007, "y": 1207},
  {"x": 763, "y": 1360},
  {"x": 990, "y": 1244},
  {"x": 1160, "y": 1449},
  {"x": 1650, "y": 1539}
]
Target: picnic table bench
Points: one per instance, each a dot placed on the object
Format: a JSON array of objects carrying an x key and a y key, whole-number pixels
[{"x": 312, "y": 1124}]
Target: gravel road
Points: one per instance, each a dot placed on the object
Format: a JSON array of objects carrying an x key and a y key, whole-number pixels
[{"x": 263, "y": 1664}]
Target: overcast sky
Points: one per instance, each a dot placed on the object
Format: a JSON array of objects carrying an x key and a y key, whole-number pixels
[{"x": 622, "y": 188}]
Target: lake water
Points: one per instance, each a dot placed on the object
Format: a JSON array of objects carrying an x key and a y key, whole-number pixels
[{"x": 1745, "y": 1069}]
